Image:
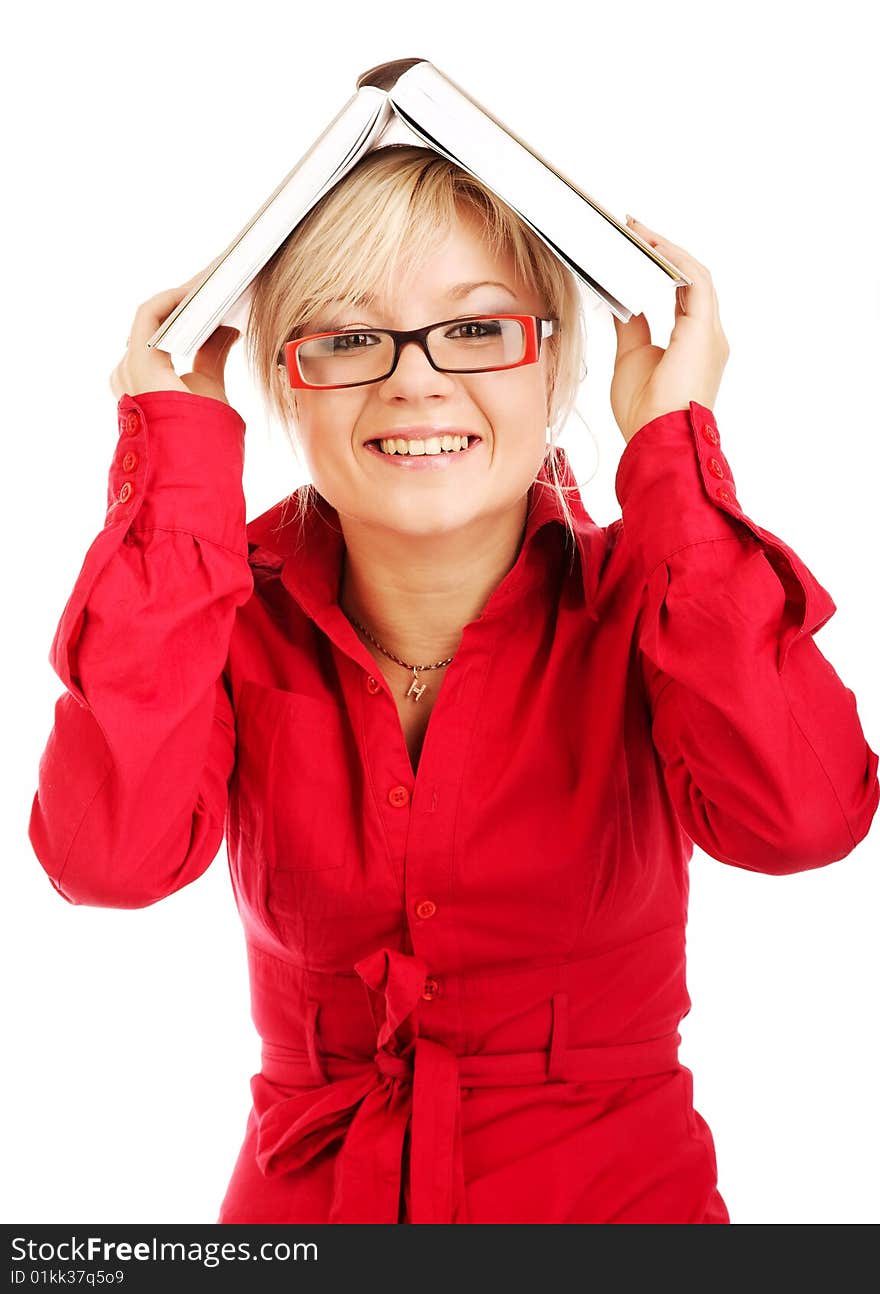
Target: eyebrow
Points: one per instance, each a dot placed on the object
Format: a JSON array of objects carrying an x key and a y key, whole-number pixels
[
  {"x": 464, "y": 289},
  {"x": 455, "y": 293}
]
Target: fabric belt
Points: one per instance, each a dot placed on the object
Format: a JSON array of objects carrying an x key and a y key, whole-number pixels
[{"x": 411, "y": 1082}]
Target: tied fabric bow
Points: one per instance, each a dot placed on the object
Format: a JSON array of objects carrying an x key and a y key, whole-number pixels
[{"x": 412, "y": 1085}]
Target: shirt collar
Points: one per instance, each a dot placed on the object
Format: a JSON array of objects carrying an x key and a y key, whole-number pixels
[{"x": 309, "y": 554}]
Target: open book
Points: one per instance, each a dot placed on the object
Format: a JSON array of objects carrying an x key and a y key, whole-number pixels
[{"x": 411, "y": 101}]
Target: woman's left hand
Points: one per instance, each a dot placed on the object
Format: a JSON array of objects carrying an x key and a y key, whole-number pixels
[{"x": 649, "y": 381}]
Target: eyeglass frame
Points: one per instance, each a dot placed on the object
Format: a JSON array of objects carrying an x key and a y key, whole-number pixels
[{"x": 533, "y": 333}]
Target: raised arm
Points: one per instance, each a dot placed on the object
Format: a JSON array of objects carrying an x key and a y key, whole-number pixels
[
  {"x": 132, "y": 789},
  {"x": 761, "y": 745}
]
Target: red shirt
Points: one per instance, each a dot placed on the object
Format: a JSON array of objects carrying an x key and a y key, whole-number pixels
[{"x": 468, "y": 983}]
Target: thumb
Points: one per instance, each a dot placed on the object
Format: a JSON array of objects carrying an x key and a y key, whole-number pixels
[
  {"x": 210, "y": 358},
  {"x": 632, "y": 335}
]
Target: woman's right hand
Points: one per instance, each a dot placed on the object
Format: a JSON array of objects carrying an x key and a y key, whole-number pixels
[{"x": 144, "y": 369}]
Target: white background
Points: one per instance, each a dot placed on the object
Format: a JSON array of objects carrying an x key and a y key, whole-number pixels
[{"x": 140, "y": 138}]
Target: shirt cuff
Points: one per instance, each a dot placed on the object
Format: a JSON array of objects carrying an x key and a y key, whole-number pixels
[
  {"x": 675, "y": 488},
  {"x": 178, "y": 466}
]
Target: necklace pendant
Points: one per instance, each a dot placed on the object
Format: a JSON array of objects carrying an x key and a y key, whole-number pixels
[{"x": 414, "y": 690}]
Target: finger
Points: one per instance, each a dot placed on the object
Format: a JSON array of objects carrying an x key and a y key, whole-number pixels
[
  {"x": 697, "y": 301},
  {"x": 653, "y": 238},
  {"x": 154, "y": 311}
]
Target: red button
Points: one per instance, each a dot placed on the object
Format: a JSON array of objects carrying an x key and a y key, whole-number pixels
[
  {"x": 726, "y": 496},
  {"x": 129, "y": 462},
  {"x": 126, "y": 492},
  {"x": 425, "y": 909},
  {"x": 373, "y": 686},
  {"x": 431, "y": 989},
  {"x": 710, "y": 433},
  {"x": 131, "y": 423},
  {"x": 398, "y": 796},
  {"x": 715, "y": 467}
]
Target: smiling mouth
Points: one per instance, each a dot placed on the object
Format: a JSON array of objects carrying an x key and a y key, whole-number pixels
[
  {"x": 426, "y": 461},
  {"x": 446, "y": 444}
]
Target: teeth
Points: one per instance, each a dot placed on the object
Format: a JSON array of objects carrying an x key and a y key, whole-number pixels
[{"x": 432, "y": 445}]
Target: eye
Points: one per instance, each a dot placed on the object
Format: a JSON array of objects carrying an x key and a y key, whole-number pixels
[
  {"x": 342, "y": 340},
  {"x": 483, "y": 327}
]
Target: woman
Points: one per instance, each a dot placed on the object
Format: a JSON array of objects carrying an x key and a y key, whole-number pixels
[{"x": 461, "y": 739}]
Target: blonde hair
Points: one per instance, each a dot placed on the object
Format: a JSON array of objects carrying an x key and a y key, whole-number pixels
[{"x": 378, "y": 224}]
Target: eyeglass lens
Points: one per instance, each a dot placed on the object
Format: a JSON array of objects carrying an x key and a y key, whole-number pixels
[{"x": 465, "y": 346}]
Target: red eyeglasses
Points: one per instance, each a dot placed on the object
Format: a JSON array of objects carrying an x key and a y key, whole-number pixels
[{"x": 356, "y": 356}]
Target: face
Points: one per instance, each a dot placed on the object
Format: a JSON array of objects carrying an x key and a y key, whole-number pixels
[{"x": 507, "y": 410}]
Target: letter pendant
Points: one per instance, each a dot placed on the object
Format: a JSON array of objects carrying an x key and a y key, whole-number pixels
[{"x": 414, "y": 690}]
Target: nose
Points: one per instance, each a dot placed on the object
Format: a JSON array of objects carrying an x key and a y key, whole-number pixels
[{"x": 414, "y": 373}]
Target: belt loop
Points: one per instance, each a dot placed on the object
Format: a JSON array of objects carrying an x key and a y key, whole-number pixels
[
  {"x": 558, "y": 1037},
  {"x": 311, "y": 1035}
]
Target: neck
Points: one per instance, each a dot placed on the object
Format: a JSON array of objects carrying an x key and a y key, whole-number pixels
[{"x": 416, "y": 594}]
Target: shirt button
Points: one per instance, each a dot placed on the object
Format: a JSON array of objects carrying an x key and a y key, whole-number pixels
[
  {"x": 398, "y": 796},
  {"x": 129, "y": 462},
  {"x": 126, "y": 492},
  {"x": 425, "y": 909},
  {"x": 715, "y": 467},
  {"x": 431, "y": 989},
  {"x": 373, "y": 686},
  {"x": 710, "y": 433}
]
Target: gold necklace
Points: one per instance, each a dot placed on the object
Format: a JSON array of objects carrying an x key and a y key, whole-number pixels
[{"x": 415, "y": 690}]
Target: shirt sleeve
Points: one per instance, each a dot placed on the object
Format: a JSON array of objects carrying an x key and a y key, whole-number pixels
[
  {"x": 132, "y": 789},
  {"x": 760, "y": 742}
]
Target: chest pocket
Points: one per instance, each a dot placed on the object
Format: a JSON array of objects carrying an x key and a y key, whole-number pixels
[{"x": 293, "y": 785}]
